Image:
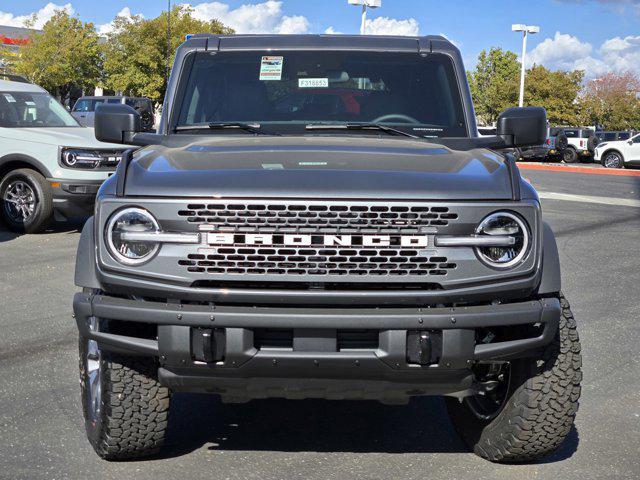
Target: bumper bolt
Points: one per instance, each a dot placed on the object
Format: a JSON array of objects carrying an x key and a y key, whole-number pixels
[
  {"x": 212, "y": 318},
  {"x": 274, "y": 361},
  {"x": 179, "y": 316},
  {"x": 453, "y": 319},
  {"x": 316, "y": 363}
]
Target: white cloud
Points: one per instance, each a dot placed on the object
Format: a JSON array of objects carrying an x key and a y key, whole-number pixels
[
  {"x": 42, "y": 16},
  {"x": 392, "y": 26},
  {"x": 622, "y": 54},
  {"x": 266, "y": 17},
  {"x": 108, "y": 27},
  {"x": 332, "y": 31},
  {"x": 295, "y": 24},
  {"x": 566, "y": 52}
]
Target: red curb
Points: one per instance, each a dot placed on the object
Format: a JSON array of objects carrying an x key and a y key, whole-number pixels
[{"x": 585, "y": 170}]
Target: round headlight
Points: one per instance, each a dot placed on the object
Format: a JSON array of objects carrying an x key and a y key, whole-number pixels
[
  {"x": 506, "y": 225},
  {"x": 130, "y": 251}
]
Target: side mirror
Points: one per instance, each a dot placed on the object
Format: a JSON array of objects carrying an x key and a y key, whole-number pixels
[
  {"x": 523, "y": 127},
  {"x": 116, "y": 123}
]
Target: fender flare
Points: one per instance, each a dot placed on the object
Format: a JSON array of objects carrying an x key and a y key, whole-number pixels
[
  {"x": 20, "y": 157},
  {"x": 551, "y": 279},
  {"x": 85, "y": 274}
]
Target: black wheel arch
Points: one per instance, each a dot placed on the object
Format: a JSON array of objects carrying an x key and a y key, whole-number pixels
[
  {"x": 550, "y": 282},
  {"x": 85, "y": 273},
  {"x": 14, "y": 161}
]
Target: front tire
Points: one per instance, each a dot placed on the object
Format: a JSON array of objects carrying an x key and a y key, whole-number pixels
[
  {"x": 125, "y": 407},
  {"x": 539, "y": 406},
  {"x": 612, "y": 160},
  {"x": 26, "y": 203}
]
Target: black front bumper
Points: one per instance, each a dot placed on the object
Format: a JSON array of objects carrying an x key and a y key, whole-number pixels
[
  {"x": 74, "y": 198},
  {"x": 315, "y": 367}
]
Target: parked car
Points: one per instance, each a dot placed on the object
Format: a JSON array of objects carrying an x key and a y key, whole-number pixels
[
  {"x": 620, "y": 153},
  {"x": 614, "y": 136},
  {"x": 581, "y": 143},
  {"x": 553, "y": 148},
  {"x": 380, "y": 252},
  {"x": 85, "y": 107},
  {"x": 49, "y": 164}
]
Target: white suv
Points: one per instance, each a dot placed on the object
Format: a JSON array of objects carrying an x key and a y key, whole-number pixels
[
  {"x": 49, "y": 164},
  {"x": 618, "y": 154}
]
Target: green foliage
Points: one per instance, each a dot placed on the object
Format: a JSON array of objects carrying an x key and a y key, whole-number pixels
[
  {"x": 135, "y": 52},
  {"x": 64, "y": 55},
  {"x": 556, "y": 92},
  {"x": 612, "y": 101},
  {"x": 494, "y": 83}
]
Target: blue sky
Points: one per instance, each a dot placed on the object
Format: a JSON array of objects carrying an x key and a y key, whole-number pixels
[{"x": 594, "y": 35}]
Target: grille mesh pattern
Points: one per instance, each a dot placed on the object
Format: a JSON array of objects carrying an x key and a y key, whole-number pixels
[
  {"x": 317, "y": 218},
  {"x": 300, "y": 218},
  {"x": 317, "y": 261}
]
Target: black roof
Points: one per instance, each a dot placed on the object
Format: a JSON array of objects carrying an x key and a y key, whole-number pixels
[{"x": 379, "y": 43}]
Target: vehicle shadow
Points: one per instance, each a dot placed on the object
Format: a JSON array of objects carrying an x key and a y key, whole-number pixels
[
  {"x": 72, "y": 226},
  {"x": 318, "y": 426}
]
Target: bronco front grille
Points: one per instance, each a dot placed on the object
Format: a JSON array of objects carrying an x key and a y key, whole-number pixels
[
  {"x": 317, "y": 218},
  {"x": 305, "y": 218}
]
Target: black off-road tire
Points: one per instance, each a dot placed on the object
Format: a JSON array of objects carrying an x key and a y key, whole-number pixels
[
  {"x": 562, "y": 142},
  {"x": 133, "y": 418},
  {"x": 43, "y": 212},
  {"x": 540, "y": 409},
  {"x": 570, "y": 156}
]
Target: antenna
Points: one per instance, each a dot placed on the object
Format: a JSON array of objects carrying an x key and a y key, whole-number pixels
[{"x": 165, "y": 112}]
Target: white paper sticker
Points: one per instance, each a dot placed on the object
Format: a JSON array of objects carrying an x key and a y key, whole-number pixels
[
  {"x": 9, "y": 98},
  {"x": 313, "y": 83},
  {"x": 271, "y": 68}
]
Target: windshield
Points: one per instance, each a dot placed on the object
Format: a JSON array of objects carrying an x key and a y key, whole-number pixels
[
  {"x": 33, "y": 109},
  {"x": 416, "y": 94}
]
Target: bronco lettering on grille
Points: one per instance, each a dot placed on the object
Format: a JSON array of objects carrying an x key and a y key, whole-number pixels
[{"x": 298, "y": 240}]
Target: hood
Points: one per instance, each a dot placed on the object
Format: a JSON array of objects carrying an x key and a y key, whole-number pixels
[
  {"x": 81, "y": 137},
  {"x": 318, "y": 167}
]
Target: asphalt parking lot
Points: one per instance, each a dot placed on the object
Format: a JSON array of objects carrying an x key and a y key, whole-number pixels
[{"x": 597, "y": 222}]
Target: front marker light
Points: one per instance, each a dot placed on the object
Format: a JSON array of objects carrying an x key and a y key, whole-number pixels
[
  {"x": 127, "y": 221},
  {"x": 509, "y": 224}
]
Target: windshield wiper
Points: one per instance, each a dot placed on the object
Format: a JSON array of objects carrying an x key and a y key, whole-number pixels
[
  {"x": 246, "y": 127},
  {"x": 359, "y": 126}
]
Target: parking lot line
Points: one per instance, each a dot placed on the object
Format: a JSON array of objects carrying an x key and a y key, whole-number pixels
[
  {"x": 579, "y": 169},
  {"x": 625, "y": 202}
]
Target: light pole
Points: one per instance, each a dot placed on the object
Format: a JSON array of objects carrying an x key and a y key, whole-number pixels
[
  {"x": 526, "y": 30},
  {"x": 365, "y": 4}
]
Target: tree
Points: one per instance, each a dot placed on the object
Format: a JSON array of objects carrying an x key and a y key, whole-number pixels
[
  {"x": 136, "y": 50},
  {"x": 556, "y": 92},
  {"x": 494, "y": 83},
  {"x": 65, "y": 55},
  {"x": 612, "y": 101}
]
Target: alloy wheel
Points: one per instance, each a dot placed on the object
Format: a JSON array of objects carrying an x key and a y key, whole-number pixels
[
  {"x": 19, "y": 201},
  {"x": 612, "y": 160}
]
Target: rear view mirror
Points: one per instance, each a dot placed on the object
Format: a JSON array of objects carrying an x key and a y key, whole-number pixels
[
  {"x": 116, "y": 123},
  {"x": 523, "y": 127}
]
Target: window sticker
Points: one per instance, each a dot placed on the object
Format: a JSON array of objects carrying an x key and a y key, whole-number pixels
[
  {"x": 313, "y": 83},
  {"x": 9, "y": 98},
  {"x": 271, "y": 68}
]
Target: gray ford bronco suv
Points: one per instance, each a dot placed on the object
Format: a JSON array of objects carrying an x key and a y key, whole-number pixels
[{"x": 317, "y": 217}]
